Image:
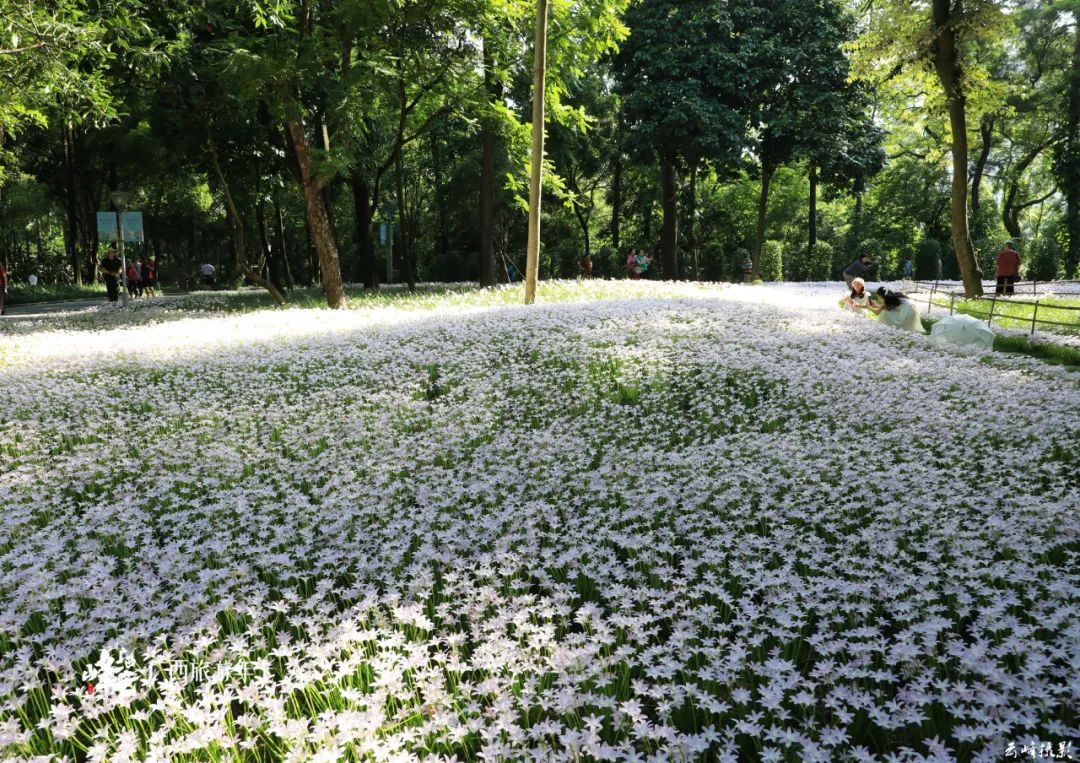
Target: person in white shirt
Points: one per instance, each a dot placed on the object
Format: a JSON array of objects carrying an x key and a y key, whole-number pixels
[{"x": 208, "y": 274}]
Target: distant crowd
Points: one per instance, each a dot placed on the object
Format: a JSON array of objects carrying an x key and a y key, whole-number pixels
[{"x": 142, "y": 275}]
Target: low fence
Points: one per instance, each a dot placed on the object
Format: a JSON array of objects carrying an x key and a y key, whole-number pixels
[{"x": 928, "y": 290}]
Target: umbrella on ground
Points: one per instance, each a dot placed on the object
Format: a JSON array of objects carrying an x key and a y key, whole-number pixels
[{"x": 962, "y": 329}]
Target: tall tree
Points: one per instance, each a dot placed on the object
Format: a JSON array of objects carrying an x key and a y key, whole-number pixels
[
  {"x": 1068, "y": 162},
  {"x": 802, "y": 106},
  {"x": 676, "y": 106},
  {"x": 905, "y": 41}
]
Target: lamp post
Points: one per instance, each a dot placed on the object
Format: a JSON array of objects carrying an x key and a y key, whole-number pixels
[{"x": 119, "y": 201}]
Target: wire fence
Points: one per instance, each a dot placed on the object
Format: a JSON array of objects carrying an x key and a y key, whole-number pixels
[{"x": 934, "y": 294}]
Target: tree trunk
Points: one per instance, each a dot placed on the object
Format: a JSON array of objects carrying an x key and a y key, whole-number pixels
[
  {"x": 1013, "y": 205},
  {"x": 318, "y": 219},
  {"x": 811, "y": 223},
  {"x": 617, "y": 194},
  {"x": 313, "y": 275},
  {"x": 763, "y": 207},
  {"x": 365, "y": 241},
  {"x": 279, "y": 242},
  {"x": 532, "y": 252},
  {"x": 1071, "y": 163},
  {"x": 71, "y": 240},
  {"x": 986, "y": 130},
  {"x": 856, "y": 223},
  {"x": 669, "y": 255},
  {"x": 950, "y": 74},
  {"x": 583, "y": 222},
  {"x": 691, "y": 222},
  {"x": 403, "y": 222},
  {"x": 443, "y": 238},
  {"x": 237, "y": 223},
  {"x": 271, "y": 253},
  {"x": 87, "y": 204},
  {"x": 487, "y": 209},
  {"x": 488, "y": 145}
]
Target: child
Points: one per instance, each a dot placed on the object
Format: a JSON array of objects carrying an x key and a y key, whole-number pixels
[{"x": 858, "y": 298}]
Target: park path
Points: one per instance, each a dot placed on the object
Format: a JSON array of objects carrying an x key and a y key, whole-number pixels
[{"x": 47, "y": 308}]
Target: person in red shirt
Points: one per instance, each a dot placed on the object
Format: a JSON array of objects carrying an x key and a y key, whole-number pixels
[
  {"x": 1008, "y": 269},
  {"x": 132, "y": 279},
  {"x": 149, "y": 265},
  {"x": 3, "y": 288}
]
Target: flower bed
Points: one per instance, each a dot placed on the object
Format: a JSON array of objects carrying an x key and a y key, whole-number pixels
[{"x": 698, "y": 524}]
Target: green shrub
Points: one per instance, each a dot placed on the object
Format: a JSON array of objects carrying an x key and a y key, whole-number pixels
[
  {"x": 821, "y": 261},
  {"x": 1045, "y": 260},
  {"x": 927, "y": 255},
  {"x": 772, "y": 261}
]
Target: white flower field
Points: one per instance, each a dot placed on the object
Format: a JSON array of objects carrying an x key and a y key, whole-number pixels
[{"x": 637, "y": 522}]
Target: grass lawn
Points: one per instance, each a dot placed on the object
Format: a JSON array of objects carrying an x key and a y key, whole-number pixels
[
  {"x": 637, "y": 521},
  {"x": 21, "y": 294},
  {"x": 1010, "y": 312}
]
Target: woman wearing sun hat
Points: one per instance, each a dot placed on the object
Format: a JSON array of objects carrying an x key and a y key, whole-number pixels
[{"x": 859, "y": 296}]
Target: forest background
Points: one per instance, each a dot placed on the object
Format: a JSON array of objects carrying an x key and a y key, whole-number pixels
[{"x": 282, "y": 141}]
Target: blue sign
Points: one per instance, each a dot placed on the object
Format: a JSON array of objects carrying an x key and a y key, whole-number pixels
[
  {"x": 133, "y": 227},
  {"x": 382, "y": 234},
  {"x": 106, "y": 226}
]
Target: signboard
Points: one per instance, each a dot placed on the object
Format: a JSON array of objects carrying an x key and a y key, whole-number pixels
[
  {"x": 382, "y": 234},
  {"x": 133, "y": 226},
  {"x": 106, "y": 226}
]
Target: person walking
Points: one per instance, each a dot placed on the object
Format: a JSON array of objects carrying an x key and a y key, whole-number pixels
[
  {"x": 861, "y": 268},
  {"x": 1008, "y": 269},
  {"x": 208, "y": 275},
  {"x": 150, "y": 277},
  {"x": 110, "y": 270},
  {"x": 909, "y": 269},
  {"x": 132, "y": 280}
]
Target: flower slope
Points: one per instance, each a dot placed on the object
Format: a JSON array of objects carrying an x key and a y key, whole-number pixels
[{"x": 691, "y": 524}]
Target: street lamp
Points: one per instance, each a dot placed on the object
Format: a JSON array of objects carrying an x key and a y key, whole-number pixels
[{"x": 119, "y": 201}]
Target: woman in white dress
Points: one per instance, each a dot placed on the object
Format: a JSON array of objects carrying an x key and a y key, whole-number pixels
[{"x": 896, "y": 310}]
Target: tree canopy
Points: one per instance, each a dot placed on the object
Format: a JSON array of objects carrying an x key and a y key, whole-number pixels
[{"x": 291, "y": 142}]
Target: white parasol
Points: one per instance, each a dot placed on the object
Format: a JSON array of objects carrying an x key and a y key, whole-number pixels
[{"x": 962, "y": 329}]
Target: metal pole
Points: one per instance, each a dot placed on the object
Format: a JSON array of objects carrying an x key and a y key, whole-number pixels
[
  {"x": 993, "y": 304},
  {"x": 952, "y": 303},
  {"x": 532, "y": 254},
  {"x": 1034, "y": 315},
  {"x": 123, "y": 259}
]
